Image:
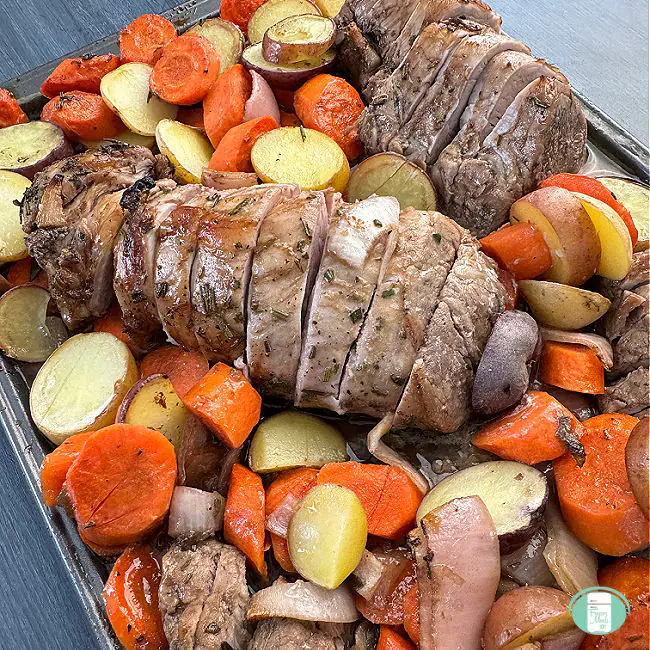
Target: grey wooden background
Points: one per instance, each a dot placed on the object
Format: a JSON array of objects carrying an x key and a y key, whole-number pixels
[{"x": 601, "y": 45}]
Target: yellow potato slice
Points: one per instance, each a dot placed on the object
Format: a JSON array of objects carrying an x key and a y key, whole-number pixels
[
  {"x": 225, "y": 36},
  {"x": 272, "y": 12},
  {"x": 615, "y": 240},
  {"x": 329, "y": 8},
  {"x": 126, "y": 92},
  {"x": 12, "y": 237},
  {"x": 81, "y": 386},
  {"x": 187, "y": 149},
  {"x": 128, "y": 137},
  {"x": 302, "y": 156},
  {"x": 561, "y": 306},
  {"x": 636, "y": 198},
  {"x": 327, "y": 535}
]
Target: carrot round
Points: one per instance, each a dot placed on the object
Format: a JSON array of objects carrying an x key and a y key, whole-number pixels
[
  {"x": 10, "y": 111},
  {"x": 82, "y": 116},
  {"x": 239, "y": 12},
  {"x": 183, "y": 367},
  {"x": 233, "y": 153},
  {"x": 192, "y": 116},
  {"x": 520, "y": 249},
  {"x": 594, "y": 188},
  {"x": 131, "y": 599},
  {"x": 224, "y": 105},
  {"x": 112, "y": 323},
  {"x": 332, "y": 106},
  {"x": 243, "y": 519},
  {"x": 391, "y": 640},
  {"x": 81, "y": 73},
  {"x": 56, "y": 465},
  {"x": 531, "y": 431},
  {"x": 389, "y": 497},
  {"x": 412, "y": 614},
  {"x": 186, "y": 70},
  {"x": 226, "y": 403},
  {"x": 572, "y": 367},
  {"x": 144, "y": 39},
  {"x": 121, "y": 483},
  {"x": 596, "y": 499},
  {"x": 296, "y": 482}
]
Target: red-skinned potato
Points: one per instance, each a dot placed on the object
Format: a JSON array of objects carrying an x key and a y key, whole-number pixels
[
  {"x": 637, "y": 463},
  {"x": 531, "y": 615},
  {"x": 29, "y": 148},
  {"x": 298, "y": 38},
  {"x": 262, "y": 101}
]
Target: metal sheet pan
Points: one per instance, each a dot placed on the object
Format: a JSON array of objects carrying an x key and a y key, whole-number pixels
[{"x": 612, "y": 149}]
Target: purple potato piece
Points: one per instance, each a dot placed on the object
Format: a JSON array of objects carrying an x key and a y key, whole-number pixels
[
  {"x": 31, "y": 147},
  {"x": 637, "y": 463},
  {"x": 503, "y": 374}
]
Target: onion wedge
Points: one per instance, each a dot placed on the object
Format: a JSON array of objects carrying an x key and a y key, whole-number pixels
[
  {"x": 598, "y": 344},
  {"x": 195, "y": 513},
  {"x": 381, "y": 451},
  {"x": 278, "y": 521},
  {"x": 304, "y": 601}
]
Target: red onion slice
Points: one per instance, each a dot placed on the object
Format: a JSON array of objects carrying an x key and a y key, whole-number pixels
[
  {"x": 278, "y": 521},
  {"x": 366, "y": 577},
  {"x": 381, "y": 451},
  {"x": 601, "y": 346},
  {"x": 195, "y": 512},
  {"x": 304, "y": 601}
]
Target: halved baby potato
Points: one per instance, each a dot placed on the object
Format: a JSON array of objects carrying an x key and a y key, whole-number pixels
[
  {"x": 298, "y": 38},
  {"x": 272, "y": 12},
  {"x": 186, "y": 147},
  {"x": 153, "y": 403},
  {"x": 12, "y": 237},
  {"x": 567, "y": 229},
  {"x": 389, "y": 174},
  {"x": 126, "y": 92},
  {"x": 295, "y": 439},
  {"x": 302, "y": 156},
  {"x": 26, "y": 332},
  {"x": 636, "y": 198},
  {"x": 329, "y": 8},
  {"x": 225, "y": 36},
  {"x": 561, "y": 306},
  {"x": 81, "y": 385},
  {"x": 615, "y": 240}
]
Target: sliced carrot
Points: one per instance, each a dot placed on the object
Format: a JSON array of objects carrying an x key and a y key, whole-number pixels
[
  {"x": 113, "y": 323},
  {"x": 572, "y": 367},
  {"x": 239, "y": 12},
  {"x": 594, "y": 188},
  {"x": 296, "y": 482},
  {"x": 596, "y": 499},
  {"x": 131, "y": 598},
  {"x": 56, "y": 465},
  {"x": 144, "y": 39},
  {"x": 224, "y": 105},
  {"x": 520, "y": 249},
  {"x": 183, "y": 367},
  {"x": 186, "y": 70},
  {"x": 226, "y": 403},
  {"x": 243, "y": 519},
  {"x": 289, "y": 119},
  {"x": 412, "y": 614},
  {"x": 82, "y": 73},
  {"x": 233, "y": 153},
  {"x": 389, "y": 497},
  {"x": 10, "y": 111},
  {"x": 82, "y": 116},
  {"x": 121, "y": 483},
  {"x": 332, "y": 106},
  {"x": 532, "y": 432},
  {"x": 391, "y": 640},
  {"x": 192, "y": 116},
  {"x": 510, "y": 286}
]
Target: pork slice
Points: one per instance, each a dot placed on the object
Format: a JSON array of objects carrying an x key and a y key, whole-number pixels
[
  {"x": 359, "y": 240},
  {"x": 393, "y": 97},
  {"x": 286, "y": 260},
  {"x": 543, "y": 132},
  {"x": 292, "y": 634},
  {"x": 628, "y": 394},
  {"x": 404, "y": 303},
  {"x": 356, "y": 55},
  {"x": 146, "y": 205},
  {"x": 71, "y": 215},
  {"x": 382, "y": 21},
  {"x": 222, "y": 266},
  {"x": 436, "y": 119},
  {"x": 203, "y": 597}
]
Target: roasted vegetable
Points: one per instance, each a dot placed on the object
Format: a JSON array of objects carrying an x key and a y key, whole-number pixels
[
  {"x": 298, "y": 38},
  {"x": 262, "y": 102},
  {"x": 187, "y": 149},
  {"x": 572, "y": 367},
  {"x": 225, "y": 36},
  {"x": 272, "y": 12},
  {"x": 637, "y": 463},
  {"x": 634, "y": 196},
  {"x": 12, "y": 237}
]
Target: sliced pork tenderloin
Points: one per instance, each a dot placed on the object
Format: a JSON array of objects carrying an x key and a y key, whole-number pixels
[
  {"x": 360, "y": 240},
  {"x": 285, "y": 263},
  {"x": 203, "y": 597},
  {"x": 292, "y": 634},
  {"x": 222, "y": 267},
  {"x": 356, "y": 55},
  {"x": 404, "y": 303},
  {"x": 71, "y": 215},
  {"x": 435, "y": 121}
]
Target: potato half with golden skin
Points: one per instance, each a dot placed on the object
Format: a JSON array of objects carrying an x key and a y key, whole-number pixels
[
  {"x": 186, "y": 147},
  {"x": 637, "y": 462},
  {"x": 12, "y": 237}
]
